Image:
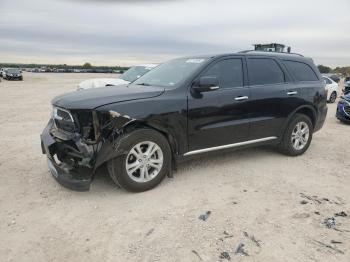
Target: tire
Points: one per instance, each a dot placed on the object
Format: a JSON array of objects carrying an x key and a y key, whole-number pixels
[
  {"x": 332, "y": 97},
  {"x": 140, "y": 179},
  {"x": 287, "y": 146}
]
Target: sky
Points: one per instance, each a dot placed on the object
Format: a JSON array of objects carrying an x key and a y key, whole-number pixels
[{"x": 128, "y": 32}]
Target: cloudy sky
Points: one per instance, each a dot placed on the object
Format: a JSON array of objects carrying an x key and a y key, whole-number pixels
[{"x": 117, "y": 32}]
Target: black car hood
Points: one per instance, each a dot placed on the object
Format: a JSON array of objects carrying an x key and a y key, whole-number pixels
[{"x": 96, "y": 97}]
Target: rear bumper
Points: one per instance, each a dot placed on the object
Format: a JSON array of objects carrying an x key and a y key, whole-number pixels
[{"x": 76, "y": 177}]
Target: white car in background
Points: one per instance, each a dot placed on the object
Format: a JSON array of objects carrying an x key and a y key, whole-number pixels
[
  {"x": 332, "y": 89},
  {"x": 127, "y": 77}
]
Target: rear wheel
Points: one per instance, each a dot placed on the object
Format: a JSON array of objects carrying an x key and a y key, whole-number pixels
[
  {"x": 333, "y": 97},
  {"x": 145, "y": 164},
  {"x": 298, "y": 136}
]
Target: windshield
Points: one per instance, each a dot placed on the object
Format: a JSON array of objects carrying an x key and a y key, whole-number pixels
[
  {"x": 13, "y": 71},
  {"x": 134, "y": 73},
  {"x": 171, "y": 73}
]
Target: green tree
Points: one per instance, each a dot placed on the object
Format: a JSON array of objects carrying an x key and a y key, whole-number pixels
[
  {"x": 87, "y": 66},
  {"x": 324, "y": 69}
]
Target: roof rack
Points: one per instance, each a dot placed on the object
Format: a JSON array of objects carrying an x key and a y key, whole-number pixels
[{"x": 261, "y": 51}]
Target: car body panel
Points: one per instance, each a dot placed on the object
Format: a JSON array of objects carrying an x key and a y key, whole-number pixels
[
  {"x": 191, "y": 122},
  {"x": 215, "y": 118},
  {"x": 92, "y": 98}
]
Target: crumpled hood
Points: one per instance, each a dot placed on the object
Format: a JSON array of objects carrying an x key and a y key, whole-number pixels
[
  {"x": 101, "y": 82},
  {"x": 96, "y": 97}
]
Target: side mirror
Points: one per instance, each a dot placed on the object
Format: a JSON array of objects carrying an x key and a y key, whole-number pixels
[{"x": 206, "y": 83}]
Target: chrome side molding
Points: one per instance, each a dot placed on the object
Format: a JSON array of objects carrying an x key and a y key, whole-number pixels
[{"x": 209, "y": 149}]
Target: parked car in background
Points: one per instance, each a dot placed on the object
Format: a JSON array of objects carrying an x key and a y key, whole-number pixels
[
  {"x": 343, "y": 109},
  {"x": 346, "y": 85},
  {"x": 332, "y": 89},
  {"x": 182, "y": 108},
  {"x": 127, "y": 77},
  {"x": 12, "y": 74},
  {"x": 335, "y": 78}
]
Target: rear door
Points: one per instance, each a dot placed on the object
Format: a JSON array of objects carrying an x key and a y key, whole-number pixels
[
  {"x": 272, "y": 93},
  {"x": 305, "y": 80},
  {"x": 220, "y": 117}
]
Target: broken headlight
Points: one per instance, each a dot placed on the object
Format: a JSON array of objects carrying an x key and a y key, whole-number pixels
[{"x": 63, "y": 119}]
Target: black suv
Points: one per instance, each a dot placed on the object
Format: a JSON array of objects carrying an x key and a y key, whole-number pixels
[{"x": 184, "y": 107}]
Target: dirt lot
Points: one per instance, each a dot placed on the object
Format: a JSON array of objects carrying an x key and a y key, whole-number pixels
[{"x": 280, "y": 202}]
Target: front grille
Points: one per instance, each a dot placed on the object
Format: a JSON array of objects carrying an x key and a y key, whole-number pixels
[{"x": 347, "y": 110}]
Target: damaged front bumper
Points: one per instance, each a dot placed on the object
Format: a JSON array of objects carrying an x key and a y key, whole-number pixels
[
  {"x": 73, "y": 160},
  {"x": 62, "y": 156}
]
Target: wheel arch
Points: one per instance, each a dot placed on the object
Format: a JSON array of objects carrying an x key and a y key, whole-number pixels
[
  {"x": 109, "y": 151},
  {"x": 306, "y": 110}
]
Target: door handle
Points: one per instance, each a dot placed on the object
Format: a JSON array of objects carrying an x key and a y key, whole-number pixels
[
  {"x": 241, "y": 98},
  {"x": 291, "y": 93}
]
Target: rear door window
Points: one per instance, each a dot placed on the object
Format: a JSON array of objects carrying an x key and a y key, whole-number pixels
[
  {"x": 264, "y": 71},
  {"x": 301, "y": 71},
  {"x": 228, "y": 71}
]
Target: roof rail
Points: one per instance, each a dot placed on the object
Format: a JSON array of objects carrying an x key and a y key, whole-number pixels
[{"x": 248, "y": 51}]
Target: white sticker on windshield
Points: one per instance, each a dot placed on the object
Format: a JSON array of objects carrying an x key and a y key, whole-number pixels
[{"x": 195, "y": 61}]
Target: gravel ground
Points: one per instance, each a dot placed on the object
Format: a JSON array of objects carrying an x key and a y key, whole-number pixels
[{"x": 271, "y": 206}]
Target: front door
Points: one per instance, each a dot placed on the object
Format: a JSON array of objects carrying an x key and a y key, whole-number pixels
[{"x": 220, "y": 117}]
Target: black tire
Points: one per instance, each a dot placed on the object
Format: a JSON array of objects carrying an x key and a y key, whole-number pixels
[
  {"x": 117, "y": 166},
  {"x": 332, "y": 97},
  {"x": 286, "y": 146}
]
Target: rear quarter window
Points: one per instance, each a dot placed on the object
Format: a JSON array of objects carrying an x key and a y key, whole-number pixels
[
  {"x": 301, "y": 71},
  {"x": 264, "y": 71}
]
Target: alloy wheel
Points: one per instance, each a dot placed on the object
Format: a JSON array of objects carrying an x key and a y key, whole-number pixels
[
  {"x": 300, "y": 135},
  {"x": 144, "y": 161}
]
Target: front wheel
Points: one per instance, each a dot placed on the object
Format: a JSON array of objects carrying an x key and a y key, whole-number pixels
[
  {"x": 298, "y": 136},
  {"x": 146, "y": 163}
]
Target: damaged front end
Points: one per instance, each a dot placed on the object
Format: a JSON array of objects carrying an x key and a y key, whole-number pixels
[{"x": 77, "y": 142}]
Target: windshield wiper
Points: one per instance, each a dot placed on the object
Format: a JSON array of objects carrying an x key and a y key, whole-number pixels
[{"x": 143, "y": 84}]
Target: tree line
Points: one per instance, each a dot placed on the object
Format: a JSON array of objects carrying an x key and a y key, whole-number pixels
[
  {"x": 63, "y": 66},
  {"x": 344, "y": 71}
]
